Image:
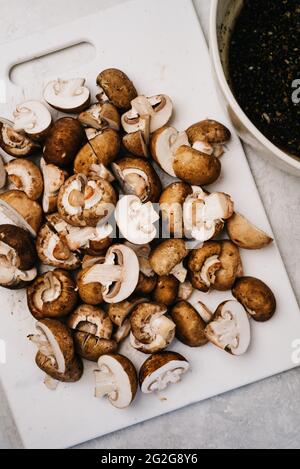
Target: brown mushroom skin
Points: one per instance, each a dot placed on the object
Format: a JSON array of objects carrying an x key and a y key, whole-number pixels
[
  {"x": 99, "y": 248},
  {"x": 36, "y": 190},
  {"x": 167, "y": 255},
  {"x": 91, "y": 294},
  {"x": 84, "y": 160},
  {"x": 91, "y": 348},
  {"x": 146, "y": 285},
  {"x": 197, "y": 259},
  {"x": 29, "y": 147},
  {"x": 106, "y": 146},
  {"x": 166, "y": 291},
  {"x": 245, "y": 235},
  {"x": 59, "y": 308},
  {"x": 119, "y": 312},
  {"x": 73, "y": 372},
  {"x": 117, "y": 87},
  {"x": 156, "y": 361},
  {"x": 256, "y": 297},
  {"x": 64, "y": 337},
  {"x": 64, "y": 141},
  {"x": 196, "y": 168},
  {"x": 209, "y": 131},
  {"x": 129, "y": 368},
  {"x": 135, "y": 144},
  {"x": 190, "y": 327},
  {"x": 30, "y": 210},
  {"x": 19, "y": 240},
  {"x": 140, "y": 316},
  {"x": 175, "y": 193},
  {"x": 231, "y": 266}
]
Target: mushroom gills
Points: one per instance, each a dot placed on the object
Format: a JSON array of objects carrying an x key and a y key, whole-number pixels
[
  {"x": 48, "y": 346},
  {"x": 170, "y": 373}
]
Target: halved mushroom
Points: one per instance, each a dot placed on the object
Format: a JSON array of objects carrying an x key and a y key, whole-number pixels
[
  {"x": 118, "y": 275},
  {"x": 167, "y": 259},
  {"x": 86, "y": 201},
  {"x": 54, "y": 179},
  {"x": 161, "y": 370},
  {"x": 137, "y": 177},
  {"x": 64, "y": 141},
  {"x": 53, "y": 251},
  {"x": 195, "y": 167},
  {"x": 204, "y": 312},
  {"x": 135, "y": 220},
  {"x": 101, "y": 116},
  {"x": 246, "y": 235},
  {"x": 21, "y": 211},
  {"x": 116, "y": 379},
  {"x": 209, "y": 137},
  {"x": 87, "y": 163},
  {"x": 17, "y": 257},
  {"x": 137, "y": 143},
  {"x": 33, "y": 118},
  {"x": 256, "y": 297},
  {"x": 122, "y": 332},
  {"x": 171, "y": 206},
  {"x": 69, "y": 96},
  {"x": 166, "y": 290},
  {"x": 26, "y": 177},
  {"x": 190, "y": 327},
  {"x": 151, "y": 330},
  {"x": 52, "y": 295},
  {"x": 204, "y": 214},
  {"x": 16, "y": 144},
  {"x": 230, "y": 328},
  {"x": 106, "y": 146},
  {"x": 117, "y": 87},
  {"x": 158, "y": 109},
  {"x": 56, "y": 353},
  {"x": 148, "y": 278},
  {"x": 217, "y": 264},
  {"x": 120, "y": 312},
  {"x": 93, "y": 331}
]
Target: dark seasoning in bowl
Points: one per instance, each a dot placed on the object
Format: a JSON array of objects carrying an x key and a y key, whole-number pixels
[{"x": 264, "y": 61}]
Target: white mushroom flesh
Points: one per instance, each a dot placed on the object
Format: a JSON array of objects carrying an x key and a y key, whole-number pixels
[
  {"x": 9, "y": 272},
  {"x": 159, "y": 380},
  {"x": 167, "y": 144},
  {"x": 179, "y": 272},
  {"x": 67, "y": 94},
  {"x": 208, "y": 275},
  {"x": 204, "y": 312},
  {"x": 54, "y": 179},
  {"x": 48, "y": 292},
  {"x": 72, "y": 201},
  {"x": 93, "y": 195},
  {"x": 49, "y": 346},
  {"x": 32, "y": 117}
]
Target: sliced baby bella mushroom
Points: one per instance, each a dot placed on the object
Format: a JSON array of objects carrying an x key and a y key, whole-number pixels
[
  {"x": 17, "y": 257},
  {"x": 147, "y": 279},
  {"x": 204, "y": 214},
  {"x": 171, "y": 206},
  {"x": 118, "y": 275},
  {"x": 118, "y": 88},
  {"x": 86, "y": 201},
  {"x": 190, "y": 327},
  {"x": 158, "y": 109},
  {"x": 209, "y": 137},
  {"x": 3, "y": 174},
  {"x": 204, "y": 312},
  {"x": 120, "y": 312},
  {"x": 69, "y": 96},
  {"x": 185, "y": 291},
  {"x": 53, "y": 295},
  {"x": 122, "y": 332},
  {"x": 54, "y": 179},
  {"x": 163, "y": 147},
  {"x": 137, "y": 177},
  {"x": 246, "y": 235},
  {"x": 137, "y": 143},
  {"x": 256, "y": 297},
  {"x": 26, "y": 177},
  {"x": 21, "y": 211},
  {"x": 53, "y": 251},
  {"x": 106, "y": 146},
  {"x": 230, "y": 328},
  {"x": 64, "y": 141},
  {"x": 136, "y": 220},
  {"x": 167, "y": 259},
  {"x": 100, "y": 117},
  {"x": 33, "y": 118},
  {"x": 166, "y": 290},
  {"x": 87, "y": 163},
  {"x": 161, "y": 370},
  {"x": 151, "y": 330},
  {"x": 116, "y": 379},
  {"x": 195, "y": 167},
  {"x": 56, "y": 352},
  {"x": 93, "y": 331},
  {"x": 16, "y": 144}
]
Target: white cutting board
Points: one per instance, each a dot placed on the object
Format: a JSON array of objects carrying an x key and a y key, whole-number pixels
[{"x": 159, "y": 43}]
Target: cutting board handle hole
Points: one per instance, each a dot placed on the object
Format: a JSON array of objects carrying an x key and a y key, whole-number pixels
[{"x": 53, "y": 64}]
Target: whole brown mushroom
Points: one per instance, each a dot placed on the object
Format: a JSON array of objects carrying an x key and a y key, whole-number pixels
[
  {"x": 190, "y": 327},
  {"x": 256, "y": 297}
]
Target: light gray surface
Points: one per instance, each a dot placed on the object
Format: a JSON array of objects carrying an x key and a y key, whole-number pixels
[{"x": 263, "y": 415}]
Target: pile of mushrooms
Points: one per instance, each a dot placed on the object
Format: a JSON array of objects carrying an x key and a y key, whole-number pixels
[{"x": 79, "y": 197}]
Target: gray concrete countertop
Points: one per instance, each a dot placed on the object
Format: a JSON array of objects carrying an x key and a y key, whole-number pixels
[{"x": 266, "y": 414}]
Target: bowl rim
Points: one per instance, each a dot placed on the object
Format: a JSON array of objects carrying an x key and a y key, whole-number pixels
[{"x": 214, "y": 47}]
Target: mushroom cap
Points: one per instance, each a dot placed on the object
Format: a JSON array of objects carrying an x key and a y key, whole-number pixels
[
  {"x": 256, "y": 297},
  {"x": 162, "y": 369},
  {"x": 33, "y": 118},
  {"x": 137, "y": 177},
  {"x": 136, "y": 144},
  {"x": 119, "y": 312},
  {"x": 22, "y": 211},
  {"x": 230, "y": 328},
  {"x": 26, "y": 176},
  {"x": 92, "y": 320},
  {"x": 171, "y": 205},
  {"x": 209, "y": 131},
  {"x": 203, "y": 264},
  {"x": 167, "y": 255},
  {"x": 16, "y": 144},
  {"x": 72, "y": 374},
  {"x": 190, "y": 327},
  {"x": 64, "y": 141},
  {"x": 155, "y": 111},
  {"x": 166, "y": 290},
  {"x": 245, "y": 235},
  {"x": 91, "y": 348},
  {"x": 106, "y": 146},
  {"x": 146, "y": 284},
  {"x": 90, "y": 293},
  {"x": 120, "y": 381},
  {"x": 231, "y": 266},
  {"x": 101, "y": 116},
  {"x": 70, "y": 96},
  {"x": 117, "y": 87},
  {"x": 196, "y": 168},
  {"x": 52, "y": 295},
  {"x": 85, "y": 159}
]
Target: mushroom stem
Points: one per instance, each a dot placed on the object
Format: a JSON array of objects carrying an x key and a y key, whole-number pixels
[
  {"x": 105, "y": 385},
  {"x": 104, "y": 274}
]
